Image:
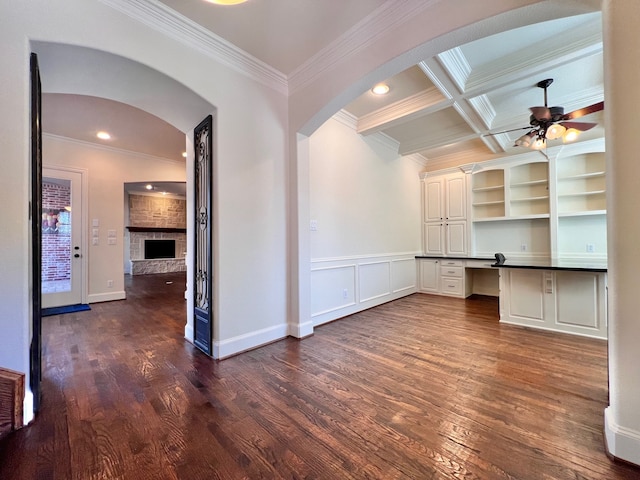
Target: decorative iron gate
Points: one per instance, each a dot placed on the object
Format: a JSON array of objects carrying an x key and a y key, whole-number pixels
[{"x": 203, "y": 258}]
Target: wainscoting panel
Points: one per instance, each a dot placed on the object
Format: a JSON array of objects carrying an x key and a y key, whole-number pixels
[
  {"x": 346, "y": 285},
  {"x": 375, "y": 280}
]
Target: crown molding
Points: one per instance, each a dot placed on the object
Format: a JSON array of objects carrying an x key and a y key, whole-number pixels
[
  {"x": 346, "y": 119},
  {"x": 447, "y": 138},
  {"x": 98, "y": 146},
  {"x": 349, "y": 120},
  {"x": 167, "y": 21},
  {"x": 457, "y": 66},
  {"x": 522, "y": 63},
  {"x": 375, "y": 26},
  {"x": 415, "y": 106},
  {"x": 484, "y": 109}
]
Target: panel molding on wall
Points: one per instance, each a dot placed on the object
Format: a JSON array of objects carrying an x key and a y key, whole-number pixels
[{"x": 346, "y": 285}]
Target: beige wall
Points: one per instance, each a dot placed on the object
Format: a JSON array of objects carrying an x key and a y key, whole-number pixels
[{"x": 107, "y": 170}]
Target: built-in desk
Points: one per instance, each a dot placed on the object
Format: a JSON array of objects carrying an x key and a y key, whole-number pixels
[{"x": 562, "y": 296}]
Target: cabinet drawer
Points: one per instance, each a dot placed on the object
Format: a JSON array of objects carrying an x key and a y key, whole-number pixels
[
  {"x": 451, "y": 263},
  {"x": 451, "y": 286},
  {"x": 447, "y": 271}
]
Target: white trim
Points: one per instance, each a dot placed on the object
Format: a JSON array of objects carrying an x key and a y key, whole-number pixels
[
  {"x": 27, "y": 407},
  {"x": 248, "y": 341},
  {"x": 409, "y": 255},
  {"x": 300, "y": 330},
  {"x": 334, "y": 309},
  {"x": 108, "y": 148},
  {"x": 188, "y": 332},
  {"x": 457, "y": 66},
  {"x": 386, "y": 17},
  {"x": 623, "y": 443},
  {"x": 106, "y": 297},
  {"x": 167, "y": 21}
]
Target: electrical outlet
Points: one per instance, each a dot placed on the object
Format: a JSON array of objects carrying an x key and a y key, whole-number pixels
[
  {"x": 314, "y": 225},
  {"x": 523, "y": 247},
  {"x": 109, "y": 283},
  {"x": 345, "y": 293},
  {"x": 591, "y": 248}
]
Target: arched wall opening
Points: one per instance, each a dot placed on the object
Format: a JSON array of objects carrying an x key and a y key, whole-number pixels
[{"x": 69, "y": 69}]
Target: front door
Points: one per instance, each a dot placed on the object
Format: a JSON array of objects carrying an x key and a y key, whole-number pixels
[{"x": 62, "y": 255}]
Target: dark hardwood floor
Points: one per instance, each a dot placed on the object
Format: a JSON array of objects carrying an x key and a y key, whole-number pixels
[{"x": 424, "y": 387}]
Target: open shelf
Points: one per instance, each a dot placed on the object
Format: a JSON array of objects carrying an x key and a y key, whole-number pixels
[{"x": 488, "y": 194}]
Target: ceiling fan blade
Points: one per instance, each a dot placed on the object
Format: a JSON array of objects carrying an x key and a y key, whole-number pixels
[
  {"x": 582, "y": 126},
  {"x": 541, "y": 113},
  {"x": 506, "y": 131},
  {"x": 596, "y": 107}
]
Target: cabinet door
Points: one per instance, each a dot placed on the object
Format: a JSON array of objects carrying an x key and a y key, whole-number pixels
[
  {"x": 429, "y": 276},
  {"x": 456, "y": 238},
  {"x": 433, "y": 198},
  {"x": 433, "y": 238},
  {"x": 455, "y": 199}
]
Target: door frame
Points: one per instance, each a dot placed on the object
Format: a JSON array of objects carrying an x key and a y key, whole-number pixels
[{"x": 83, "y": 222}]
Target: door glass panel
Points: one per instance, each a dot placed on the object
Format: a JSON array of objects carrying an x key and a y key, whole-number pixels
[{"x": 56, "y": 235}]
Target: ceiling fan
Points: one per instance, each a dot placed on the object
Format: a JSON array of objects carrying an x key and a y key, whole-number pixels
[{"x": 549, "y": 123}]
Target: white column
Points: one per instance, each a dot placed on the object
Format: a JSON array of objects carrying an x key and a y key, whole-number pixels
[{"x": 622, "y": 103}]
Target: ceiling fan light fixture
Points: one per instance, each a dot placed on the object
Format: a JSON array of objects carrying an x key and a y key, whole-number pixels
[
  {"x": 570, "y": 135},
  {"x": 539, "y": 144},
  {"x": 555, "y": 131},
  {"x": 526, "y": 140}
]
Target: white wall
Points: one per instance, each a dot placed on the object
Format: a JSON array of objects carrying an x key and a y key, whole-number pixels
[
  {"x": 107, "y": 172},
  {"x": 251, "y": 154},
  {"x": 365, "y": 204}
]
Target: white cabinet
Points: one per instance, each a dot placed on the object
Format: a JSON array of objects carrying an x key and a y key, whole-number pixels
[
  {"x": 444, "y": 277},
  {"x": 429, "y": 271},
  {"x": 563, "y": 301},
  {"x": 444, "y": 215}
]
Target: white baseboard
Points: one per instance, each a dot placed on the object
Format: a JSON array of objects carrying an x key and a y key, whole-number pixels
[
  {"x": 622, "y": 443},
  {"x": 27, "y": 407},
  {"x": 188, "y": 332},
  {"x": 248, "y": 341},
  {"x": 300, "y": 330},
  {"x": 106, "y": 297}
]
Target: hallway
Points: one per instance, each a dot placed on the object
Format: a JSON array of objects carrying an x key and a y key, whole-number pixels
[{"x": 423, "y": 387}]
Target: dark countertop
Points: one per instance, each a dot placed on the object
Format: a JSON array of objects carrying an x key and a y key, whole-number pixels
[
  {"x": 439, "y": 257},
  {"x": 560, "y": 264}
]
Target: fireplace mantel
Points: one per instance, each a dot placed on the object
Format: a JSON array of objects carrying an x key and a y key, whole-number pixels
[{"x": 157, "y": 229}]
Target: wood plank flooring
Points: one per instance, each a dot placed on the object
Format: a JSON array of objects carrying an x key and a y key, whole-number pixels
[{"x": 424, "y": 387}]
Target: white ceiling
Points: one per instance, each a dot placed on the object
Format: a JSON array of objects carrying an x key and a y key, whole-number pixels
[{"x": 440, "y": 109}]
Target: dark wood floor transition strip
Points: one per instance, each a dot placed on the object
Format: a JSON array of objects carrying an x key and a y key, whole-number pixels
[{"x": 424, "y": 387}]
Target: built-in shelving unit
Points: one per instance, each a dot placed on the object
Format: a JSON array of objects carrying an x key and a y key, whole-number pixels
[
  {"x": 581, "y": 185},
  {"x": 488, "y": 195},
  {"x": 529, "y": 190}
]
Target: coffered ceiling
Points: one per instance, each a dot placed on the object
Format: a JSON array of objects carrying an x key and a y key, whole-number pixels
[{"x": 440, "y": 110}]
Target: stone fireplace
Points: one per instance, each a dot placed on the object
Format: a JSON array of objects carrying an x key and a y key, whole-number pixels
[{"x": 161, "y": 220}]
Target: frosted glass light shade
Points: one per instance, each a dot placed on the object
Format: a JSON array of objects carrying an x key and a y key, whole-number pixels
[{"x": 555, "y": 131}]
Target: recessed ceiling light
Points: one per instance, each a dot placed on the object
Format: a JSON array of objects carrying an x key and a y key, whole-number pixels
[
  {"x": 380, "y": 89},
  {"x": 226, "y": 2},
  {"x": 103, "y": 136},
  {"x": 149, "y": 187},
  {"x": 184, "y": 154}
]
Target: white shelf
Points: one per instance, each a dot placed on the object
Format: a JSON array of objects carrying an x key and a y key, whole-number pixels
[
  {"x": 582, "y": 194},
  {"x": 529, "y": 183},
  {"x": 495, "y": 202},
  {"x": 585, "y": 213},
  {"x": 488, "y": 189},
  {"x": 514, "y": 218},
  {"x": 530, "y": 199},
  {"x": 582, "y": 175}
]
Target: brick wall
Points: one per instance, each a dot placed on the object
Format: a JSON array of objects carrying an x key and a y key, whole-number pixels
[{"x": 56, "y": 232}]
